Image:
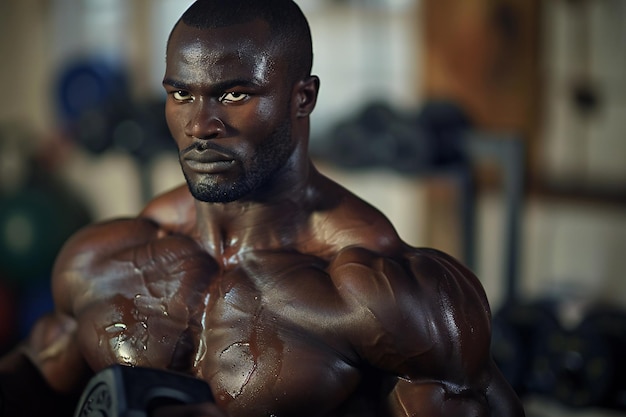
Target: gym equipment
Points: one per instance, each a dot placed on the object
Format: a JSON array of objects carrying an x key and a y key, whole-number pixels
[
  {"x": 137, "y": 128},
  {"x": 87, "y": 83},
  {"x": 569, "y": 367},
  {"x": 604, "y": 331},
  {"x": 96, "y": 108},
  {"x": 34, "y": 222},
  {"x": 124, "y": 391},
  {"x": 446, "y": 124},
  {"x": 581, "y": 366},
  {"x": 100, "y": 114},
  {"x": 380, "y": 136},
  {"x": 373, "y": 138},
  {"x": 38, "y": 211},
  {"x": 514, "y": 329}
]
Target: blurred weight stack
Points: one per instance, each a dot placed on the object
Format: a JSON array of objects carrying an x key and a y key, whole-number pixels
[{"x": 568, "y": 351}]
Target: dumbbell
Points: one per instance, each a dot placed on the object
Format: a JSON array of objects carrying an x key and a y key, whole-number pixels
[{"x": 125, "y": 391}]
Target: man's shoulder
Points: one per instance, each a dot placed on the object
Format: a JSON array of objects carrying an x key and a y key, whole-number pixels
[
  {"x": 413, "y": 284},
  {"x": 425, "y": 267},
  {"x": 364, "y": 239},
  {"x": 345, "y": 221},
  {"x": 420, "y": 303},
  {"x": 98, "y": 242},
  {"x": 173, "y": 210}
]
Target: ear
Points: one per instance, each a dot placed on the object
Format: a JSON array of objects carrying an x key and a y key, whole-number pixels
[{"x": 305, "y": 94}]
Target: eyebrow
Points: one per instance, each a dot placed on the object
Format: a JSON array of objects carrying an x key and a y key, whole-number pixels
[{"x": 220, "y": 86}]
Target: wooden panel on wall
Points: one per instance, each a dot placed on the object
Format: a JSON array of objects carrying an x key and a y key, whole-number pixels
[{"x": 484, "y": 55}]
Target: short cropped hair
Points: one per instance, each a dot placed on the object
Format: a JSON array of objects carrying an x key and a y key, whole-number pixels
[{"x": 289, "y": 27}]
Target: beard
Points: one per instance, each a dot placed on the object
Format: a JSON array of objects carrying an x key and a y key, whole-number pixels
[{"x": 270, "y": 156}]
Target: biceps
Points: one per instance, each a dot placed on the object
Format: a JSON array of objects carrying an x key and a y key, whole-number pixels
[{"x": 434, "y": 399}]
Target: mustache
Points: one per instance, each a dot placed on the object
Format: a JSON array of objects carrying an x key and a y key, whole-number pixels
[{"x": 206, "y": 145}]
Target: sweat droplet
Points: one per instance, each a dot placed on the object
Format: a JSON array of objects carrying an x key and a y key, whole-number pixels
[{"x": 117, "y": 327}]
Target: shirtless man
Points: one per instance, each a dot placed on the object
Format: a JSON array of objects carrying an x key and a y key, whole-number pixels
[{"x": 289, "y": 295}]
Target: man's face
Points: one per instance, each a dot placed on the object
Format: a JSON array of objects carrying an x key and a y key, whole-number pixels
[{"x": 228, "y": 109}]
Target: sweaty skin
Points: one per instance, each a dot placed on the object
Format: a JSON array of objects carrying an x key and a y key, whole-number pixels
[
  {"x": 291, "y": 297},
  {"x": 334, "y": 323}
]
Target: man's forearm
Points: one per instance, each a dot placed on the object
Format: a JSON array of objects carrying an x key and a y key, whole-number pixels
[{"x": 24, "y": 391}]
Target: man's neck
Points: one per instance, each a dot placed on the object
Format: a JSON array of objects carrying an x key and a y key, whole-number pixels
[{"x": 268, "y": 220}]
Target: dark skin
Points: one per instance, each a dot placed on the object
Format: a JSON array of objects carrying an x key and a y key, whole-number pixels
[{"x": 296, "y": 298}]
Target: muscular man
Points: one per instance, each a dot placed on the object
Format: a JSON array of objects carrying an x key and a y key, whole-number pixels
[{"x": 289, "y": 295}]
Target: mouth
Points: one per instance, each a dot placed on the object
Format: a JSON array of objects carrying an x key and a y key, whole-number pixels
[{"x": 208, "y": 161}]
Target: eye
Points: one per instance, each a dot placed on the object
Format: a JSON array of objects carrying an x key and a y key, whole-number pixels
[
  {"x": 182, "y": 95},
  {"x": 233, "y": 97}
]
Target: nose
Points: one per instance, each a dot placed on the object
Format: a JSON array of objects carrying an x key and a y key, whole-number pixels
[{"x": 205, "y": 122}]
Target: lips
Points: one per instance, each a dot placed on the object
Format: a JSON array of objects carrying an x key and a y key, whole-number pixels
[{"x": 209, "y": 161}]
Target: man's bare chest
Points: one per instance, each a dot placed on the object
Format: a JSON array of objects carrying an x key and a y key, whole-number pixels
[{"x": 264, "y": 333}]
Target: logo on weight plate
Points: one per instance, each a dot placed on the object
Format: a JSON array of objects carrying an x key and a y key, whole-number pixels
[{"x": 98, "y": 402}]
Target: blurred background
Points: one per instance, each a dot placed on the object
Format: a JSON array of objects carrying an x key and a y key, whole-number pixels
[{"x": 494, "y": 130}]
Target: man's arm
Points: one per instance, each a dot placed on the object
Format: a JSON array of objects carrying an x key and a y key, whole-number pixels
[
  {"x": 464, "y": 378},
  {"x": 437, "y": 398},
  {"x": 429, "y": 330},
  {"x": 44, "y": 375}
]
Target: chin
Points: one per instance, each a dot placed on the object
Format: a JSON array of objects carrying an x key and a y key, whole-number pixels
[{"x": 212, "y": 193}]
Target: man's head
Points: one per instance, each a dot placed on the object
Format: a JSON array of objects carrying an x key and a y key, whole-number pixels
[
  {"x": 239, "y": 94},
  {"x": 289, "y": 28}
]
